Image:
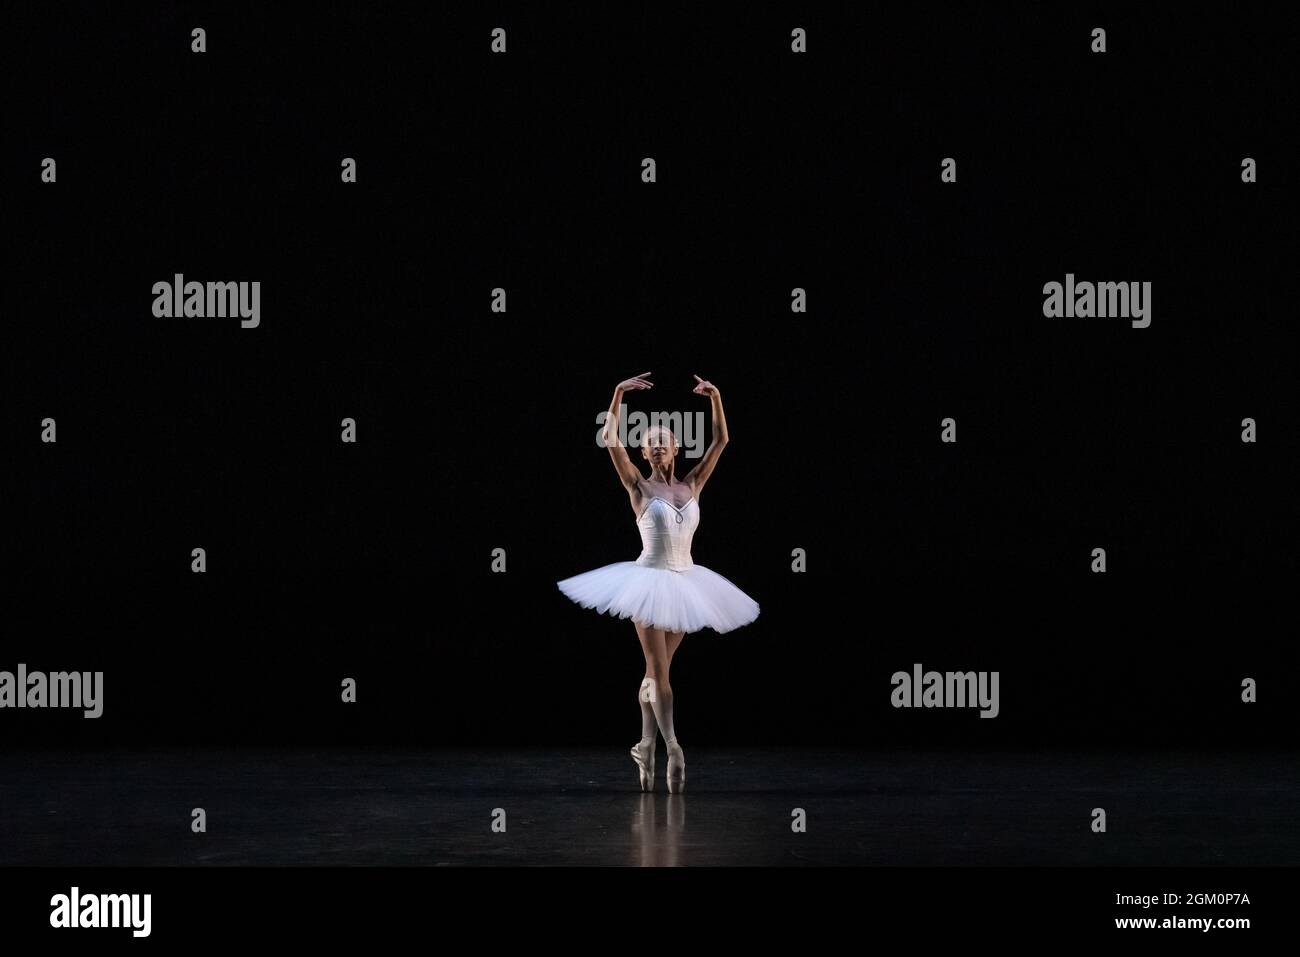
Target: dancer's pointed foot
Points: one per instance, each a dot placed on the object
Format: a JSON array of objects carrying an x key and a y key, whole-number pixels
[
  {"x": 643, "y": 753},
  {"x": 676, "y": 767}
]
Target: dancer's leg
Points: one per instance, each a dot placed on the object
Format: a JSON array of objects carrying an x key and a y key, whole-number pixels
[
  {"x": 672, "y": 639},
  {"x": 676, "y": 759},
  {"x": 643, "y": 752},
  {"x": 659, "y": 647},
  {"x": 655, "y": 684},
  {"x": 648, "y": 722}
]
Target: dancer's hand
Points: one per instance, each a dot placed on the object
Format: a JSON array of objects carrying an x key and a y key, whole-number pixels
[
  {"x": 705, "y": 388},
  {"x": 636, "y": 383}
]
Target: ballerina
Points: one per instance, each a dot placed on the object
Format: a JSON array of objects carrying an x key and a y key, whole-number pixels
[{"x": 664, "y": 592}]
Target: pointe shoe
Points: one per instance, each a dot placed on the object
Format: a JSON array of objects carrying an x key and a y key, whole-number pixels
[
  {"x": 676, "y": 767},
  {"x": 643, "y": 753}
]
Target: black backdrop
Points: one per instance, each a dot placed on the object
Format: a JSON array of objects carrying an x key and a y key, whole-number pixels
[{"x": 476, "y": 429}]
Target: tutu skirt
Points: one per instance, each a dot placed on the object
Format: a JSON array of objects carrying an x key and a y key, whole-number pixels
[{"x": 685, "y": 600}]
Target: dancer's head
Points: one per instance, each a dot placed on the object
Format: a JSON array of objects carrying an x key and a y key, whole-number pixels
[{"x": 659, "y": 446}]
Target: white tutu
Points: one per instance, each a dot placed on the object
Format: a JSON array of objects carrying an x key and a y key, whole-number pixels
[{"x": 664, "y": 588}]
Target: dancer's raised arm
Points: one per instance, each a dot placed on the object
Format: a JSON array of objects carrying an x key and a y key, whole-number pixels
[
  {"x": 628, "y": 473},
  {"x": 697, "y": 476}
]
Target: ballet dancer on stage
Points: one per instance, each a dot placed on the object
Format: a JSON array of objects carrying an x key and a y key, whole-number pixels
[{"x": 666, "y": 595}]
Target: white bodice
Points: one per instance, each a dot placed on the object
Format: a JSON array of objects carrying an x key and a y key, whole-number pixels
[{"x": 666, "y": 533}]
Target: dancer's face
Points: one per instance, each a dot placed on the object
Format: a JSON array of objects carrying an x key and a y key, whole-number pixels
[{"x": 659, "y": 447}]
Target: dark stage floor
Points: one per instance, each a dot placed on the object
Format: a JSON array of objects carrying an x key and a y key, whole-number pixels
[{"x": 583, "y": 807}]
